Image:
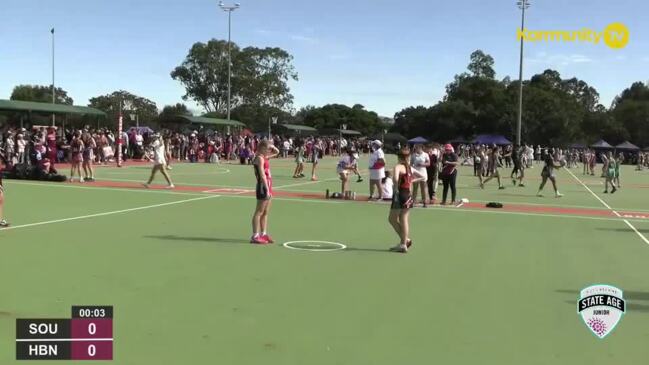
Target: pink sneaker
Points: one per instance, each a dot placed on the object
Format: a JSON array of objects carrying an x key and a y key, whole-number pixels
[
  {"x": 268, "y": 238},
  {"x": 258, "y": 240}
]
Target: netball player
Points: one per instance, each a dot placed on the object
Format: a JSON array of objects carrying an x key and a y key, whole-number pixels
[
  {"x": 492, "y": 168},
  {"x": 346, "y": 165},
  {"x": 159, "y": 161},
  {"x": 76, "y": 150},
  {"x": 3, "y": 222},
  {"x": 420, "y": 161},
  {"x": 264, "y": 191},
  {"x": 299, "y": 160},
  {"x": 402, "y": 201},
  {"x": 610, "y": 173},
  {"x": 315, "y": 158},
  {"x": 88, "y": 156},
  {"x": 548, "y": 174},
  {"x": 518, "y": 173}
]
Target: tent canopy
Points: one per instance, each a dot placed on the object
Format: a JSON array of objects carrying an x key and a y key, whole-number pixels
[
  {"x": 298, "y": 128},
  {"x": 627, "y": 146},
  {"x": 348, "y": 132},
  {"x": 418, "y": 140},
  {"x": 491, "y": 139},
  {"x": 210, "y": 121},
  {"x": 48, "y": 108},
  {"x": 601, "y": 144}
]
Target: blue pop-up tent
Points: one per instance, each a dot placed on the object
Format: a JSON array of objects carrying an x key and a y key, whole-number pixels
[
  {"x": 491, "y": 139},
  {"x": 418, "y": 140}
]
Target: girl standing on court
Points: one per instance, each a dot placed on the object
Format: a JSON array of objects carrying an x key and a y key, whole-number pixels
[
  {"x": 299, "y": 160},
  {"x": 403, "y": 177},
  {"x": 264, "y": 192},
  {"x": 345, "y": 166},
  {"x": 450, "y": 162},
  {"x": 88, "y": 156},
  {"x": 420, "y": 162},
  {"x": 76, "y": 150}
]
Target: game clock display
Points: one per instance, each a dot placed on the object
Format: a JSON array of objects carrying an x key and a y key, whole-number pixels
[{"x": 88, "y": 335}]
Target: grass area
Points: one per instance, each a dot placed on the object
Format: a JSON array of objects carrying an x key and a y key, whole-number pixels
[{"x": 479, "y": 287}]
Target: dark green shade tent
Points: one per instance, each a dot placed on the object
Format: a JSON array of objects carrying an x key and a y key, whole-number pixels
[
  {"x": 601, "y": 144},
  {"x": 348, "y": 132},
  {"x": 211, "y": 121},
  {"x": 297, "y": 127},
  {"x": 32, "y": 106},
  {"x": 627, "y": 146}
]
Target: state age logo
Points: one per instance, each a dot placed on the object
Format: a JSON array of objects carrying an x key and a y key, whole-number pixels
[{"x": 601, "y": 307}]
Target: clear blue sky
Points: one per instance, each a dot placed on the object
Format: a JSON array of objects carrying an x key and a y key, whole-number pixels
[{"x": 383, "y": 54}]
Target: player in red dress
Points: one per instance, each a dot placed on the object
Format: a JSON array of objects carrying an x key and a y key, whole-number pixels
[
  {"x": 402, "y": 200},
  {"x": 264, "y": 191}
]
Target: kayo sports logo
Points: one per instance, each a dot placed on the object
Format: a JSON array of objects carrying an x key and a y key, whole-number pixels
[{"x": 615, "y": 35}]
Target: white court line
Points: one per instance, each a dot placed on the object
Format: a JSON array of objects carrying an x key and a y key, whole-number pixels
[
  {"x": 304, "y": 183},
  {"x": 107, "y": 213},
  {"x": 91, "y": 187},
  {"x": 445, "y": 209},
  {"x": 611, "y": 209}
]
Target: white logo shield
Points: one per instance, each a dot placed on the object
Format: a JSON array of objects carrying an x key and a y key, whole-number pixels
[{"x": 601, "y": 307}]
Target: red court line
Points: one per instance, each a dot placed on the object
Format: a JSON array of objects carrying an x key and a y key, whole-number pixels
[{"x": 519, "y": 208}]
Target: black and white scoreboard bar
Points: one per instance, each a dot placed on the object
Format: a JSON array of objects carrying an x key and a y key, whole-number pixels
[{"x": 88, "y": 335}]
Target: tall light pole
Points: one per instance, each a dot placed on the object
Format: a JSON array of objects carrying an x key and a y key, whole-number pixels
[
  {"x": 53, "y": 88},
  {"x": 522, "y": 4},
  {"x": 229, "y": 9},
  {"x": 274, "y": 120}
]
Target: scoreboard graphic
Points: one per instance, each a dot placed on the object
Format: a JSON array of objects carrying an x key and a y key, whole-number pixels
[{"x": 88, "y": 335}]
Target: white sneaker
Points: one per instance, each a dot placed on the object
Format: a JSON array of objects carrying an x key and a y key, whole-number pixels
[
  {"x": 145, "y": 185},
  {"x": 559, "y": 195},
  {"x": 540, "y": 194},
  {"x": 170, "y": 186},
  {"x": 399, "y": 248}
]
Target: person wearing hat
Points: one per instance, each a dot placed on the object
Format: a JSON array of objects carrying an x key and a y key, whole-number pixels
[
  {"x": 450, "y": 161},
  {"x": 377, "y": 169}
]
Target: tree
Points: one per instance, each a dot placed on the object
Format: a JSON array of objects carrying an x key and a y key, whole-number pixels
[
  {"x": 481, "y": 65},
  {"x": 257, "y": 116},
  {"x": 170, "y": 113},
  {"x": 146, "y": 110},
  {"x": 631, "y": 110},
  {"x": 40, "y": 93},
  {"x": 332, "y": 116},
  {"x": 259, "y": 76}
]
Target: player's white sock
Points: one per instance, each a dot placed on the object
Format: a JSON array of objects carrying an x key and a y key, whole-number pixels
[
  {"x": 264, "y": 233},
  {"x": 256, "y": 235}
]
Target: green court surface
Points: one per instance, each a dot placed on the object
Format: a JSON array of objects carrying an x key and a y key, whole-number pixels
[{"x": 479, "y": 286}]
